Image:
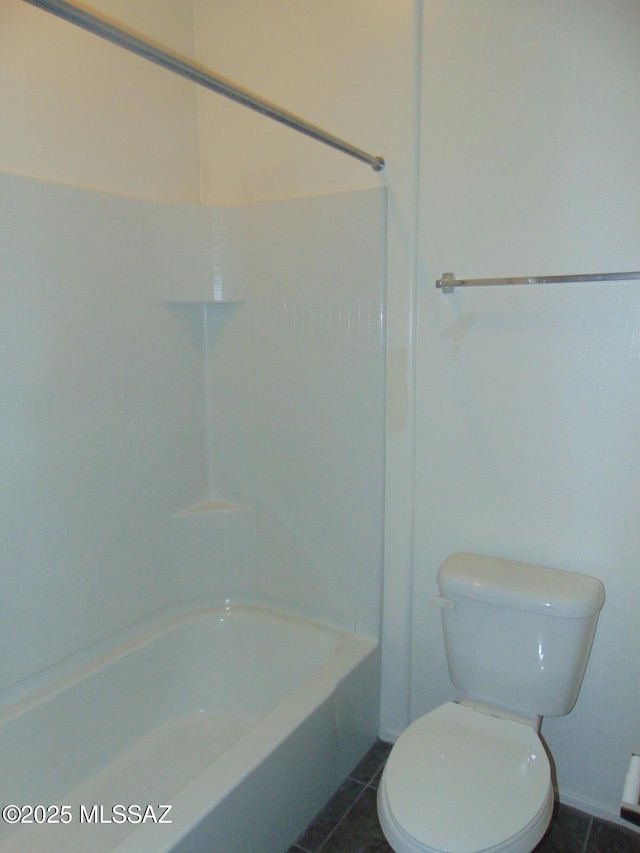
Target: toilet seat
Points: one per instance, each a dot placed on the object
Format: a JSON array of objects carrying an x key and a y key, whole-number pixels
[{"x": 464, "y": 781}]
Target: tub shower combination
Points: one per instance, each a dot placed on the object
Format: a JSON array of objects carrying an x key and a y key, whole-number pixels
[
  {"x": 219, "y": 728},
  {"x": 213, "y": 728}
]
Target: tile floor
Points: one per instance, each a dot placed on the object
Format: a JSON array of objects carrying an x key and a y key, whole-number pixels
[{"x": 349, "y": 823}]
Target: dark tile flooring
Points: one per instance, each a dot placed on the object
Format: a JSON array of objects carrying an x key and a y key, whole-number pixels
[{"x": 349, "y": 823}]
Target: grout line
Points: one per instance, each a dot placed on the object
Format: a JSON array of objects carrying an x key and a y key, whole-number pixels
[
  {"x": 369, "y": 784},
  {"x": 588, "y": 835},
  {"x": 345, "y": 815},
  {"x": 372, "y": 783}
]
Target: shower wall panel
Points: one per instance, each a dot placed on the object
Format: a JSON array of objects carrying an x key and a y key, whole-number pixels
[
  {"x": 157, "y": 358},
  {"x": 103, "y": 427},
  {"x": 316, "y": 273}
]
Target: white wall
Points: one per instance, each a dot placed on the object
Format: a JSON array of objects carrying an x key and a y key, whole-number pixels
[
  {"x": 317, "y": 60},
  {"x": 528, "y": 410},
  {"x": 78, "y": 110}
]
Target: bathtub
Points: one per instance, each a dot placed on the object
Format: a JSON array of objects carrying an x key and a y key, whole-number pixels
[{"x": 221, "y": 729}]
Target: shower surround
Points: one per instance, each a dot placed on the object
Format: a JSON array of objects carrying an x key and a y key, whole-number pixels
[{"x": 192, "y": 405}]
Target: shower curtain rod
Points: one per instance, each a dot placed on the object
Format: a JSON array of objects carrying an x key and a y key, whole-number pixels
[
  {"x": 115, "y": 33},
  {"x": 449, "y": 282}
]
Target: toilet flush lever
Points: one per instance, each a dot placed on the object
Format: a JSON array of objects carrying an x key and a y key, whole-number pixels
[{"x": 443, "y": 603}]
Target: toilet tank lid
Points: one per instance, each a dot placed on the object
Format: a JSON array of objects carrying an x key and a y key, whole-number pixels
[{"x": 524, "y": 586}]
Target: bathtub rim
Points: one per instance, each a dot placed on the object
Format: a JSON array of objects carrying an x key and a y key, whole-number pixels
[
  {"x": 322, "y": 695},
  {"x": 209, "y": 789},
  {"x": 19, "y": 697}
]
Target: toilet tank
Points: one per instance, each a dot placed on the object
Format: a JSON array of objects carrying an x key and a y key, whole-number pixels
[{"x": 517, "y": 636}]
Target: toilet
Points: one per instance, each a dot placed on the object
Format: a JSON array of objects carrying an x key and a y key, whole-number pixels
[{"x": 474, "y": 776}]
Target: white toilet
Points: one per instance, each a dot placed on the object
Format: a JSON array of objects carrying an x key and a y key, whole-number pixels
[{"x": 474, "y": 777}]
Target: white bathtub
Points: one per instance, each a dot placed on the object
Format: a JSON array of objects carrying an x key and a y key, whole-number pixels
[{"x": 235, "y": 723}]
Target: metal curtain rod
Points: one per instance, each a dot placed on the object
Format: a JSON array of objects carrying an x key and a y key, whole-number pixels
[
  {"x": 449, "y": 282},
  {"x": 100, "y": 26}
]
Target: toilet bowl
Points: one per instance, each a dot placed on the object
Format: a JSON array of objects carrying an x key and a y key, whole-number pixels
[{"x": 464, "y": 781}]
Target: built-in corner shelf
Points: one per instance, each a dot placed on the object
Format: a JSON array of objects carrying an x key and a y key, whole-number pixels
[{"x": 210, "y": 507}]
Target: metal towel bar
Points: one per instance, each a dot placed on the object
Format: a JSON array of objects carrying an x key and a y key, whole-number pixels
[{"x": 449, "y": 282}]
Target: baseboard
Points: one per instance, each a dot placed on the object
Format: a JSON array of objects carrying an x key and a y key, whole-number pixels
[
  {"x": 594, "y": 810},
  {"x": 388, "y": 736}
]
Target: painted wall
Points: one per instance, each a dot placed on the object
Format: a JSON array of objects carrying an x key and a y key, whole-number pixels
[
  {"x": 319, "y": 62},
  {"x": 80, "y": 111},
  {"x": 528, "y": 412}
]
